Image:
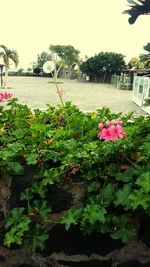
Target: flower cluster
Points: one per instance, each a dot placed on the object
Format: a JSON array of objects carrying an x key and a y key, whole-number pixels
[
  {"x": 5, "y": 96},
  {"x": 111, "y": 130}
]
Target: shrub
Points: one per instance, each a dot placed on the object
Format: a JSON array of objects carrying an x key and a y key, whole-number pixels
[{"x": 117, "y": 174}]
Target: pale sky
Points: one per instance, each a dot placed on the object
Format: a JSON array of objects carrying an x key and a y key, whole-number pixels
[{"x": 91, "y": 26}]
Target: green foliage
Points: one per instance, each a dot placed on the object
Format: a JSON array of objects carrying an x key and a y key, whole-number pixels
[
  {"x": 122, "y": 230},
  {"x": 108, "y": 194},
  {"x": 101, "y": 66},
  {"x": 32, "y": 159},
  {"x": 117, "y": 174},
  {"x": 8, "y": 55},
  {"x": 21, "y": 228},
  {"x": 37, "y": 237},
  {"x": 67, "y": 53},
  {"x": 94, "y": 213},
  {"x": 135, "y": 63},
  {"x": 122, "y": 196},
  {"x": 72, "y": 218},
  {"x": 19, "y": 224},
  {"x": 41, "y": 59}
]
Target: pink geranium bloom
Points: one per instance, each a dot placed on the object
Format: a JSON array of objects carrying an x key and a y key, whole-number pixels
[
  {"x": 100, "y": 126},
  {"x": 120, "y": 122},
  {"x": 111, "y": 130},
  {"x": 5, "y": 96},
  {"x": 108, "y": 123},
  {"x": 117, "y": 131},
  {"x": 117, "y": 122},
  {"x": 105, "y": 134},
  {"x": 1, "y": 98}
]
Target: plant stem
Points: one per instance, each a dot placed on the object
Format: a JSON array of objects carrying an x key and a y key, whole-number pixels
[
  {"x": 62, "y": 102},
  {"x": 58, "y": 91},
  {"x": 51, "y": 221}
]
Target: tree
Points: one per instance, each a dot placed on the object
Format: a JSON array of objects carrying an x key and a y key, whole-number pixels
[
  {"x": 41, "y": 59},
  {"x": 137, "y": 8},
  {"x": 8, "y": 55},
  {"x": 135, "y": 63},
  {"x": 67, "y": 53},
  {"x": 20, "y": 71},
  {"x": 145, "y": 58},
  {"x": 64, "y": 55},
  {"x": 102, "y": 66}
]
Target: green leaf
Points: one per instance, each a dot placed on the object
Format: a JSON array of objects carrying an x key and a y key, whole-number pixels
[
  {"x": 94, "y": 186},
  {"x": 108, "y": 193},
  {"x": 107, "y": 226},
  {"x": 50, "y": 177},
  {"x": 144, "y": 182},
  {"x": 18, "y": 133},
  {"x": 111, "y": 169},
  {"x": 120, "y": 220},
  {"x": 91, "y": 174},
  {"x": 123, "y": 177},
  {"x": 17, "y": 232},
  {"x": 16, "y": 168},
  {"x": 138, "y": 198},
  {"x": 127, "y": 176},
  {"x": 72, "y": 217},
  {"x": 32, "y": 159},
  {"x": 6, "y": 154},
  {"x": 125, "y": 233},
  {"x": 122, "y": 196},
  {"x": 42, "y": 206},
  {"x": 39, "y": 189},
  {"x": 26, "y": 195},
  {"x": 16, "y": 146},
  {"x": 94, "y": 213},
  {"x": 38, "y": 237},
  {"x": 15, "y": 216}
]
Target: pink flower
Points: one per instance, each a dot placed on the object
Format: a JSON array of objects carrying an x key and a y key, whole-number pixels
[
  {"x": 5, "y": 96},
  {"x": 117, "y": 131},
  {"x": 100, "y": 126},
  {"x": 60, "y": 91},
  {"x": 1, "y": 98},
  {"x": 105, "y": 134},
  {"x": 108, "y": 123},
  {"x": 111, "y": 130},
  {"x": 114, "y": 122},
  {"x": 120, "y": 122},
  {"x": 117, "y": 122}
]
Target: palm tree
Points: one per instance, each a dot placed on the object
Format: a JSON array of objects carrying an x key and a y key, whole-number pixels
[
  {"x": 145, "y": 58},
  {"x": 137, "y": 8},
  {"x": 8, "y": 55}
]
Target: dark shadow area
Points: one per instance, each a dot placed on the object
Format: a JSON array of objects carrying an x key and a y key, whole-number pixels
[{"x": 73, "y": 242}]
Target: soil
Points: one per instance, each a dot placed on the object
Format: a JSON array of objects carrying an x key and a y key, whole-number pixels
[{"x": 71, "y": 248}]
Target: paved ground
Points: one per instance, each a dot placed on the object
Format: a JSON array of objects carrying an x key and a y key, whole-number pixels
[{"x": 36, "y": 92}]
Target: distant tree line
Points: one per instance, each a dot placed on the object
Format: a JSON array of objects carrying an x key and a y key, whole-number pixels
[{"x": 67, "y": 55}]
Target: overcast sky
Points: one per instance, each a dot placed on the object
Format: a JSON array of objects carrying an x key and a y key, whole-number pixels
[{"x": 92, "y": 26}]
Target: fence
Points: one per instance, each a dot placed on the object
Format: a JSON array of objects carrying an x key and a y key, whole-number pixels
[
  {"x": 122, "y": 81},
  {"x": 140, "y": 86}
]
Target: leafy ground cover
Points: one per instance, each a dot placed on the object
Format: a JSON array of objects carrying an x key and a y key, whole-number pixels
[{"x": 64, "y": 147}]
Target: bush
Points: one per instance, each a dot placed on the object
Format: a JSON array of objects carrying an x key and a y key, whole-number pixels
[{"x": 117, "y": 174}]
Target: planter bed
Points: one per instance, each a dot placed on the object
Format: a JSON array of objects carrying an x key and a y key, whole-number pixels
[{"x": 74, "y": 188}]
